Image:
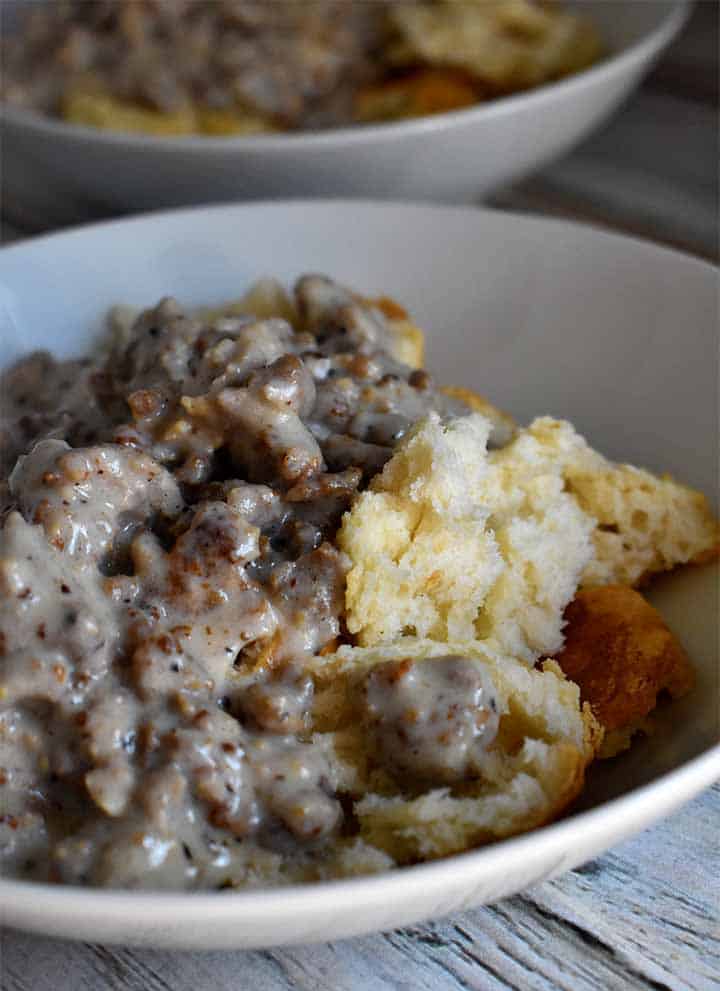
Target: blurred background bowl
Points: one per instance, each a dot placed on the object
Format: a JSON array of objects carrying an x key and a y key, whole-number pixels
[{"x": 452, "y": 157}]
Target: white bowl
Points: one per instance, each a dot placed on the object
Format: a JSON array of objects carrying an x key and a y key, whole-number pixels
[
  {"x": 618, "y": 335},
  {"x": 57, "y": 170}
]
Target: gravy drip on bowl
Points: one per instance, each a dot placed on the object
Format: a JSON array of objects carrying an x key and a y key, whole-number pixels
[{"x": 167, "y": 570}]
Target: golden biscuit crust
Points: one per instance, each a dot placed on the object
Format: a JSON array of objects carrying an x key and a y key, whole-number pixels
[
  {"x": 88, "y": 107},
  {"x": 621, "y": 654},
  {"x": 505, "y": 45},
  {"x": 407, "y": 339},
  {"x": 424, "y": 91}
]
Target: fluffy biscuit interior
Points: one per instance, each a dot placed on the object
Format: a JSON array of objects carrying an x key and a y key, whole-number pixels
[
  {"x": 455, "y": 542},
  {"x": 645, "y": 523}
]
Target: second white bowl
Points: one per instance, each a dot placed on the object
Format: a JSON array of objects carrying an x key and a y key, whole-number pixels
[{"x": 60, "y": 172}]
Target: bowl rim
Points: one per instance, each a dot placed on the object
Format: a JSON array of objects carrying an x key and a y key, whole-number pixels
[
  {"x": 366, "y": 204},
  {"x": 685, "y": 781},
  {"x": 676, "y": 13},
  {"x": 19, "y": 899}
]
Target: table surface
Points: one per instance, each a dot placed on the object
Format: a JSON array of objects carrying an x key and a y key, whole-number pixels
[{"x": 645, "y": 915}]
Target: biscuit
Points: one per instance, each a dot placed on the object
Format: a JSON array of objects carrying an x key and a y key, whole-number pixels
[
  {"x": 504, "y": 425},
  {"x": 424, "y": 91},
  {"x": 621, "y": 654},
  {"x": 110, "y": 113},
  {"x": 644, "y": 523},
  {"x": 506, "y": 45},
  {"x": 265, "y": 300},
  {"x": 452, "y": 542},
  {"x": 545, "y": 740}
]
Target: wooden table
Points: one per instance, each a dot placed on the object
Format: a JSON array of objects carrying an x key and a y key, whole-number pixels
[{"x": 646, "y": 915}]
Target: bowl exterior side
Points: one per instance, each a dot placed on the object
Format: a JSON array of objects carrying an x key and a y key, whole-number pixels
[{"x": 62, "y": 172}]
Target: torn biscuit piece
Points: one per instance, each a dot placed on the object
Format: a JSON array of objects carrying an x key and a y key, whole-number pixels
[
  {"x": 505, "y": 45},
  {"x": 645, "y": 523},
  {"x": 266, "y": 299},
  {"x": 453, "y": 542},
  {"x": 467, "y": 746},
  {"x": 621, "y": 654},
  {"x": 504, "y": 426}
]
